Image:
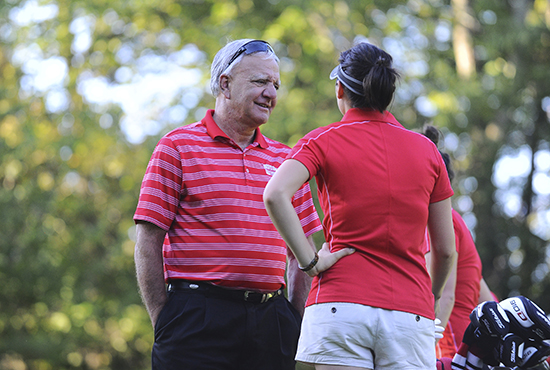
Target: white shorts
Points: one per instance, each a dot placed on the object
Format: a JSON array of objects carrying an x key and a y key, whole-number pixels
[{"x": 349, "y": 334}]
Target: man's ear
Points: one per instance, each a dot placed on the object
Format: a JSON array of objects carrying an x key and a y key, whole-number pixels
[
  {"x": 340, "y": 93},
  {"x": 224, "y": 86}
]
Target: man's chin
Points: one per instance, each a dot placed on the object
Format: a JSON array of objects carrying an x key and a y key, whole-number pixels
[{"x": 262, "y": 118}]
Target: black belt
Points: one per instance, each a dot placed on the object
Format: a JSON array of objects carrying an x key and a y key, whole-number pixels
[{"x": 236, "y": 295}]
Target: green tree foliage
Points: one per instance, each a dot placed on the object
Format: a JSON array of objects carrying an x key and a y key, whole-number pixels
[{"x": 73, "y": 151}]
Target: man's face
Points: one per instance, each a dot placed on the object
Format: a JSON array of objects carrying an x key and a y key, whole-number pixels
[{"x": 253, "y": 89}]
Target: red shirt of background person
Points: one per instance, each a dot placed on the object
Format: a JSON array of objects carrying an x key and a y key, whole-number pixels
[{"x": 465, "y": 288}]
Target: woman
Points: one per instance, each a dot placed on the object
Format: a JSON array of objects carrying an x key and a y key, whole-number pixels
[
  {"x": 465, "y": 288},
  {"x": 379, "y": 186}
]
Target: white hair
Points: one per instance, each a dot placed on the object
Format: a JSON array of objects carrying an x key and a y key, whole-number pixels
[{"x": 222, "y": 58}]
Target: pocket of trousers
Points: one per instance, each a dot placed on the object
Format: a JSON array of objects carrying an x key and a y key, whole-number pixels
[{"x": 163, "y": 312}]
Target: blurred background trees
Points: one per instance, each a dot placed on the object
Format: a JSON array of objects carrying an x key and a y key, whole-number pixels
[{"x": 88, "y": 87}]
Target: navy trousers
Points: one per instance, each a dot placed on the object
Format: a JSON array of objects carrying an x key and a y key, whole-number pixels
[{"x": 199, "y": 331}]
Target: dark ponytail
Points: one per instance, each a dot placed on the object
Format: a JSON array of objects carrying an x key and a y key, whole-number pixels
[
  {"x": 434, "y": 135},
  {"x": 372, "y": 66}
]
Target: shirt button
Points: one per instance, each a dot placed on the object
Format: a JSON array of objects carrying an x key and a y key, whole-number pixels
[{"x": 247, "y": 171}]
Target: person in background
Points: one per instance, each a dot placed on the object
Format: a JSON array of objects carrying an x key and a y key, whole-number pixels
[
  {"x": 203, "y": 230},
  {"x": 465, "y": 288},
  {"x": 372, "y": 301}
]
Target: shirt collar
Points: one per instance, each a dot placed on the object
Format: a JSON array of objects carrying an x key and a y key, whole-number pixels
[
  {"x": 215, "y": 131},
  {"x": 359, "y": 114}
]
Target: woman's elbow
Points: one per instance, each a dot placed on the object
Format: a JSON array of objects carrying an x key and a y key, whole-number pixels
[
  {"x": 450, "y": 255},
  {"x": 272, "y": 195},
  {"x": 447, "y": 253}
]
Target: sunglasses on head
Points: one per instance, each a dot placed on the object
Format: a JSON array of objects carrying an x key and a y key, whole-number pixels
[{"x": 250, "y": 47}]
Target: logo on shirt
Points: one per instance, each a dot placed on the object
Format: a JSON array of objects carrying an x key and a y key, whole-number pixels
[{"x": 269, "y": 169}]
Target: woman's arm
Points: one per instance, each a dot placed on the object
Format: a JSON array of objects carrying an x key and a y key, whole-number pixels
[
  {"x": 447, "y": 301},
  {"x": 485, "y": 293},
  {"x": 288, "y": 178},
  {"x": 443, "y": 250},
  {"x": 298, "y": 283}
]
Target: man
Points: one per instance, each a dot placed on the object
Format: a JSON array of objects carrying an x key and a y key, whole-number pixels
[{"x": 201, "y": 217}]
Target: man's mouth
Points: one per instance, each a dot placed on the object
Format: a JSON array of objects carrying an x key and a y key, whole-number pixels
[{"x": 263, "y": 105}]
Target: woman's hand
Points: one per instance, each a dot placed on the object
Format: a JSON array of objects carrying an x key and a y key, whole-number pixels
[{"x": 327, "y": 259}]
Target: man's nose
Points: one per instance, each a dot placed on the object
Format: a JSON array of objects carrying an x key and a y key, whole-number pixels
[{"x": 270, "y": 91}]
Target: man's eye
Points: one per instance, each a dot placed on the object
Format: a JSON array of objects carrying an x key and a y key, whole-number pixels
[{"x": 265, "y": 82}]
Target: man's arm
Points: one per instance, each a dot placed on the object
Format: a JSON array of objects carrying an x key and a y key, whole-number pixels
[
  {"x": 299, "y": 283},
  {"x": 149, "y": 267}
]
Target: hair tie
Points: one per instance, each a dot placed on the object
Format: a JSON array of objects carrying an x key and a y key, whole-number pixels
[{"x": 381, "y": 61}]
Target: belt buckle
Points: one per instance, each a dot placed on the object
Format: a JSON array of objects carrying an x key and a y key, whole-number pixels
[{"x": 266, "y": 297}]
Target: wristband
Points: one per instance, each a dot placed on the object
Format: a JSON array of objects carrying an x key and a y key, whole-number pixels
[{"x": 311, "y": 264}]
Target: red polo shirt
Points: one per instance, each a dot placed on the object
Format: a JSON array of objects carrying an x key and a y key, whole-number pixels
[
  {"x": 207, "y": 193},
  {"x": 376, "y": 180}
]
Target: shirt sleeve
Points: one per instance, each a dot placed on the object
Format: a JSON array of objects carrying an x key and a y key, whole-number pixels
[
  {"x": 161, "y": 186},
  {"x": 310, "y": 152},
  {"x": 305, "y": 208},
  {"x": 458, "y": 231},
  {"x": 305, "y": 151}
]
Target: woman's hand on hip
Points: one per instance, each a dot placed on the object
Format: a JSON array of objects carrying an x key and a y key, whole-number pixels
[{"x": 327, "y": 259}]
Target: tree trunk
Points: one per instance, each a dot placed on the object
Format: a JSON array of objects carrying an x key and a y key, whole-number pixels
[{"x": 463, "y": 45}]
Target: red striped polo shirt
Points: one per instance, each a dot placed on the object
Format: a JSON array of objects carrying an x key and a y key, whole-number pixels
[{"x": 207, "y": 193}]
